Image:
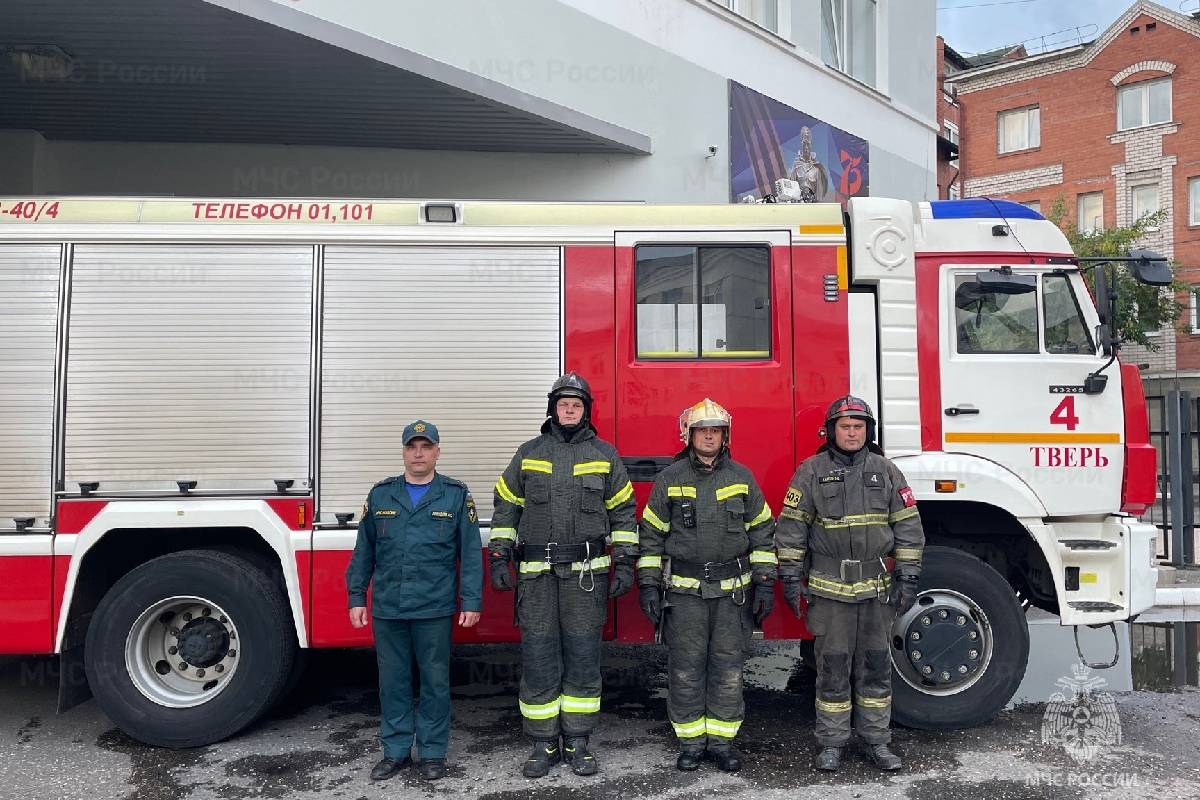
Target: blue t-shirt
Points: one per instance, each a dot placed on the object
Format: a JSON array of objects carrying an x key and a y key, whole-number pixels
[{"x": 417, "y": 490}]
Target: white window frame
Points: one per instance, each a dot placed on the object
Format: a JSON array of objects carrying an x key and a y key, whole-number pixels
[
  {"x": 841, "y": 59},
  {"x": 1079, "y": 211},
  {"x": 954, "y": 193},
  {"x": 1033, "y": 133},
  {"x": 1133, "y": 191},
  {"x": 744, "y": 9},
  {"x": 1192, "y": 306},
  {"x": 952, "y": 136},
  {"x": 1194, "y": 200},
  {"x": 1143, "y": 87}
]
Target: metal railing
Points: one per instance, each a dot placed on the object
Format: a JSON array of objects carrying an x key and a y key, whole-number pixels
[{"x": 1175, "y": 434}]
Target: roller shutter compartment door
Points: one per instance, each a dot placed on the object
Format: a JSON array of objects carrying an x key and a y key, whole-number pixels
[
  {"x": 28, "y": 321},
  {"x": 465, "y": 337},
  {"x": 189, "y": 362}
]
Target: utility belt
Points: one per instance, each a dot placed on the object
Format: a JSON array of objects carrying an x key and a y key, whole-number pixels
[
  {"x": 555, "y": 553},
  {"x": 848, "y": 570},
  {"x": 711, "y": 570}
]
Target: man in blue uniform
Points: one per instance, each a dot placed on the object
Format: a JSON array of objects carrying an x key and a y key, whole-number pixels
[{"x": 414, "y": 528}]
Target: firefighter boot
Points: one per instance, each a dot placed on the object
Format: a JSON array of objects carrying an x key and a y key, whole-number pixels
[
  {"x": 727, "y": 758},
  {"x": 689, "y": 758},
  {"x": 829, "y": 759},
  {"x": 575, "y": 753},
  {"x": 882, "y": 757},
  {"x": 544, "y": 756}
]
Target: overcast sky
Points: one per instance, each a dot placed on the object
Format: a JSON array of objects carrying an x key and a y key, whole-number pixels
[{"x": 974, "y": 26}]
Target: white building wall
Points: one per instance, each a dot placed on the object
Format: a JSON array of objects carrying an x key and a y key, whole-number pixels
[{"x": 657, "y": 67}]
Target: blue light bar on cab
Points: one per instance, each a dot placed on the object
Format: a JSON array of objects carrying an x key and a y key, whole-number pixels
[{"x": 981, "y": 208}]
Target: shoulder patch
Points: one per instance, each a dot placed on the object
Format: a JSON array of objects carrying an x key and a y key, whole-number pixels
[
  {"x": 472, "y": 514},
  {"x": 906, "y": 494},
  {"x": 793, "y": 497}
]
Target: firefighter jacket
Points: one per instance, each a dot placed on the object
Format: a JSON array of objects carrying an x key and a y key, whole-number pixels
[
  {"x": 564, "y": 491},
  {"x": 842, "y": 515},
  {"x": 700, "y": 514},
  {"x": 407, "y": 553}
]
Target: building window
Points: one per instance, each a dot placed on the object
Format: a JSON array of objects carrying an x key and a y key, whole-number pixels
[
  {"x": 848, "y": 37},
  {"x": 1019, "y": 129},
  {"x": 1141, "y": 104},
  {"x": 955, "y": 193},
  {"x": 1192, "y": 305},
  {"x": 1143, "y": 200},
  {"x": 763, "y": 13},
  {"x": 950, "y": 131},
  {"x": 709, "y": 303},
  {"x": 1194, "y": 201},
  {"x": 1090, "y": 208}
]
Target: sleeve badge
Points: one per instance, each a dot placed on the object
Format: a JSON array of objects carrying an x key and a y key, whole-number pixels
[
  {"x": 793, "y": 497},
  {"x": 906, "y": 494}
]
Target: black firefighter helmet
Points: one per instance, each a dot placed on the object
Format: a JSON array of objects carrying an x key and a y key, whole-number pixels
[
  {"x": 570, "y": 385},
  {"x": 850, "y": 406}
]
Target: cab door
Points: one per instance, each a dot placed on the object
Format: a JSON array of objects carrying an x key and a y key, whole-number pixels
[
  {"x": 703, "y": 314},
  {"x": 1014, "y": 367}
]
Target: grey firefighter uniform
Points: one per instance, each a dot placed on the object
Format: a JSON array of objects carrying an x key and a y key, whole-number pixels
[
  {"x": 699, "y": 516},
  {"x": 563, "y": 492},
  {"x": 842, "y": 515},
  {"x": 408, "y": 555}
]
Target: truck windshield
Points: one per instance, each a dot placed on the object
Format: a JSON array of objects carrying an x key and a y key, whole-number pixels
[{"x": 1066, "y": 331}]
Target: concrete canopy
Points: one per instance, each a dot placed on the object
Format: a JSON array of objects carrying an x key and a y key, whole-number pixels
[{"x": 255, "y": 71}]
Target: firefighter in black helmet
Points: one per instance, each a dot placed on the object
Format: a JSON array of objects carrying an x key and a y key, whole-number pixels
[
  {"x": 563, "y": 495},
  {"x": 847, "y": 509}
]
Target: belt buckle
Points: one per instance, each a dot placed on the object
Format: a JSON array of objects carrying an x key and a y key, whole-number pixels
[
  {"x": 851, "y": 570},
  {"x": 707, "y": 576},
  {"x": 548, "y": 553}
]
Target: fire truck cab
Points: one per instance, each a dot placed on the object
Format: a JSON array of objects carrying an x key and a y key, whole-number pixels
[{"x": 196, "y": 396}]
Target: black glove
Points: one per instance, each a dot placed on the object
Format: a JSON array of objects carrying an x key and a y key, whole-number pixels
[
  {"x": 651, "y": 600},
  {"x": 502, "y": 577},
  {"x": 793, "y": 590},
  {"x": 904, "y": 593},
  {"x": 621, "y": 580},
  {"x": 764, "y": 600}
]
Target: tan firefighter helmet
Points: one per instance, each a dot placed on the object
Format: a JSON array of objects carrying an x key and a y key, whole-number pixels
[{"x": 705, "y": 414}]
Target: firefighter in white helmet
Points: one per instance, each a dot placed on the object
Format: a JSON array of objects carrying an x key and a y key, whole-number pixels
[
  {"x": 847, "y": 510},
  {"x": 706, "y": 538}
]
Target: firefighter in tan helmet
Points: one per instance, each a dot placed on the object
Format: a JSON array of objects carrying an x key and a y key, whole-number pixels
[
  {"x": 706, "y": 539},
  {"x": 847, "y": 509}
]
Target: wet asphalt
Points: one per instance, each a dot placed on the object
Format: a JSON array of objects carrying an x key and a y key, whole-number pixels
[{"x": 321, "y": 742}]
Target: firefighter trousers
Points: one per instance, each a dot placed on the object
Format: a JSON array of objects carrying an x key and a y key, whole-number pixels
[
  {"x": 851, "y": 643},
  {"x": 707, "y": 640},
  {"x": 561, "y": 627}
]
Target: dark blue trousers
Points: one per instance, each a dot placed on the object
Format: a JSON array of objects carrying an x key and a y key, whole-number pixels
[{"x": 396, "y": 642}]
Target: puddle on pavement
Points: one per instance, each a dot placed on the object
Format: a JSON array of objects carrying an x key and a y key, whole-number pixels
[{"x": 1154, "y": 657}]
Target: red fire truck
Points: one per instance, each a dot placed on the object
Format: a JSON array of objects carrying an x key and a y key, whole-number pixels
[{"x": 196, "y": 396}]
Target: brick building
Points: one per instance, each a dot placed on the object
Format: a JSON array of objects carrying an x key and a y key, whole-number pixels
[
  {"x": 949, "y": 63},
  {"x": 1111, "y": 126}
]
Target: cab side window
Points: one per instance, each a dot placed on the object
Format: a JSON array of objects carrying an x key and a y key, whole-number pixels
[
  {"x": 703, "y": 302},
  {"x": 1066, "y": 331},
  {"x": 988, "y": 321}
]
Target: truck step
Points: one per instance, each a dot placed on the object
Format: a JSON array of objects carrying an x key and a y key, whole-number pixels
[
  {"x": 1094, "y": 606},
  {"x": 1087, "y": 544}
]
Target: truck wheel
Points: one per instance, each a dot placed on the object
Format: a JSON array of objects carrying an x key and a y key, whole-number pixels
[
  {"x": 189, "y": 648},
  {"x": 960, "y": 653}
]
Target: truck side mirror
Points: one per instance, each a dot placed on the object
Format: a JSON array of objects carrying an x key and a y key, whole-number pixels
[
  {"x": 1005, "y": 281},
  {"x": 1150, "y": 268}
]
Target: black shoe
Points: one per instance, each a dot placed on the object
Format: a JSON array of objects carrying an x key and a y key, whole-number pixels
[
  {"x": 689, "y": 758},
  {"x": 575, "y": 753},
  {"x": 727, "y": 758},
  {"x": 829, "y": 759},
  {"x": 389, "y": 767},
  {"x": 544, "y": 756},
  {"x": 432, "y": 769},
  {"x": 882, "y": 757}
]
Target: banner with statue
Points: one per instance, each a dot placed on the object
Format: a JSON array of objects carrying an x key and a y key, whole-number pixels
[{"x": 769, "y": 141}]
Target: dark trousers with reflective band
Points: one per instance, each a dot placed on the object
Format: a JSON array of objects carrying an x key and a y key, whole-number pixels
[
  {"x": 561, "y": 627},
  {"x": 707, "y": 642},
  {"x": 852, "y": 642},
  {"x": 396, "y": 642}
]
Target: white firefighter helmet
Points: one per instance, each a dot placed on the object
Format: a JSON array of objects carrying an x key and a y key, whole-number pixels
[{"x": 705, "y": 414}]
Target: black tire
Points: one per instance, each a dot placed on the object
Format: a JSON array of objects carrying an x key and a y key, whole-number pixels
[
  {"x": 259, "y": 610},
  {"x": 953, "y": 570}
]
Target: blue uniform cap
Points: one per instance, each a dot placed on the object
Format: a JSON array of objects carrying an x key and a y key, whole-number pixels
[{"x": 420, "y": 430}]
